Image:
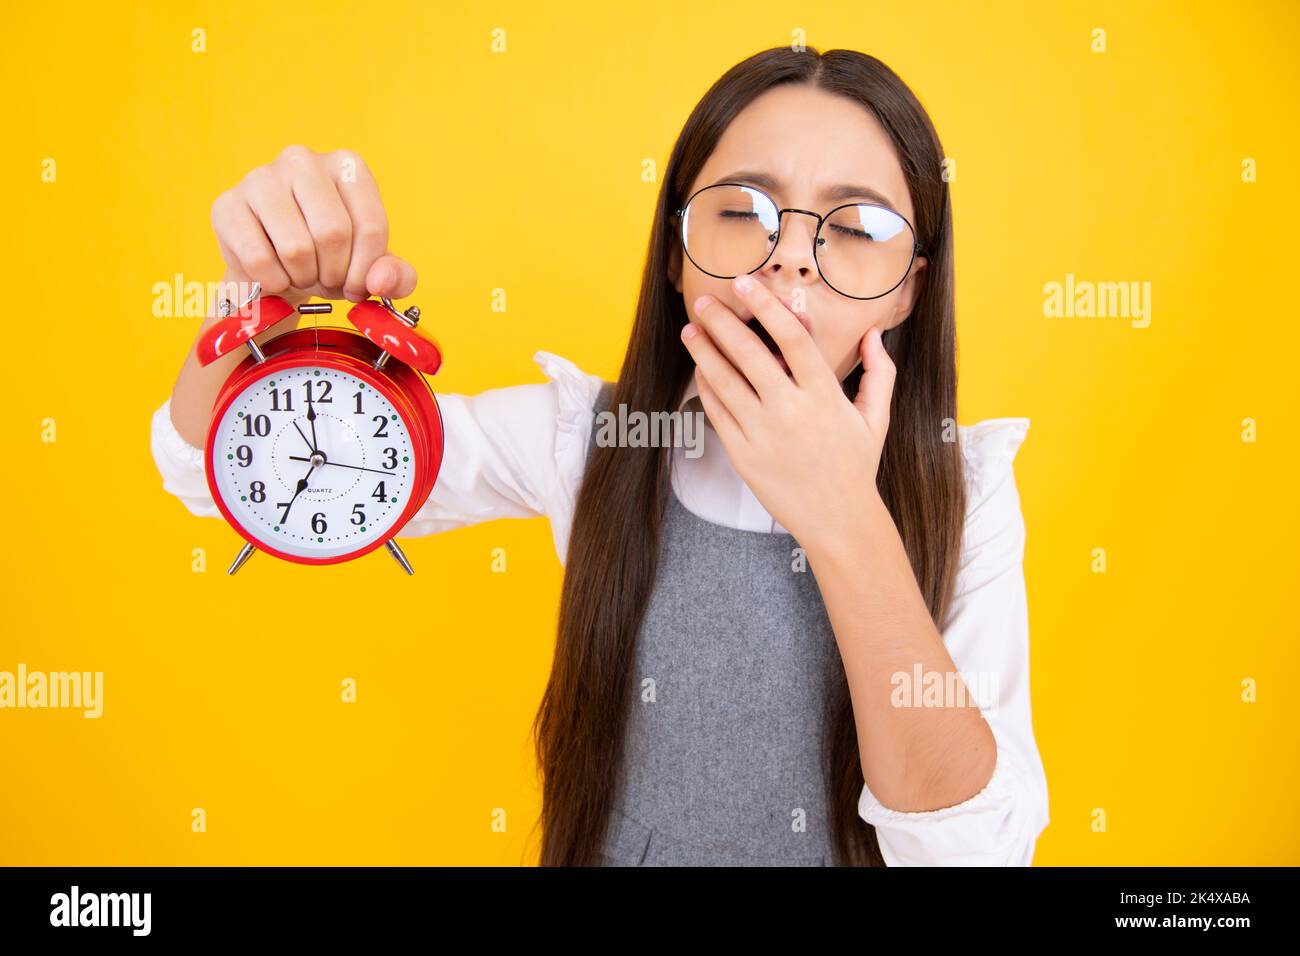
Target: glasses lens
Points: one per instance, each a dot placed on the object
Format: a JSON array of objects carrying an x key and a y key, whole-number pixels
[
  {"x": 865, "y": 250},
  {"x": 729, "y": 230}
]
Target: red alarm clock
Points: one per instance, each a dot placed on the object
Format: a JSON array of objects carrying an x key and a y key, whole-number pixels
[{"x": 323, "y": 442}]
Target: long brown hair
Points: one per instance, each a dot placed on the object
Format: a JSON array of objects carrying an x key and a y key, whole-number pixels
[{"x": 613, "y": 549}]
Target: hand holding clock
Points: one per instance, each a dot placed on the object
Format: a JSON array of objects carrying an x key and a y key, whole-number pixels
[
  {"x": 311, "y": 224},
  {"x": 305, "y": 224}
]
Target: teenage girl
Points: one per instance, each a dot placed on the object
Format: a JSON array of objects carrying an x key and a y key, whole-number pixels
[{"x": 809, "y": 643}]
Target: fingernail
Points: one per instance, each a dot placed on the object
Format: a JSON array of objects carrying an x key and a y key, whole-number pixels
[
  {"x": 702, "y": 302},
  {"x": 689, "y": 331},
  {"x": 744, "y": 284}
]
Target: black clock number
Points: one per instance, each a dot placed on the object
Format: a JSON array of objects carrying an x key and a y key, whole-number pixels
[
  {"x": 358, "y": 516},
  {"x": 382, "y": 430},
  {"x": 257, "y": 491},
  {"x": 277, "y": 405},
  {"x": 244, "y": 455},
  {"x": 379, "y": 494},
  {"x": 391, "y": 461},
  {"x": 326, "y": 386},
  {"x": 259, "y": 425},
  {"x": 318, "y": 523},
  {"x": 357, "y": 396}
]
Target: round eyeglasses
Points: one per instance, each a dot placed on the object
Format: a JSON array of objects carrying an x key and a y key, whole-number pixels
[{"x": 862, "y": 250}]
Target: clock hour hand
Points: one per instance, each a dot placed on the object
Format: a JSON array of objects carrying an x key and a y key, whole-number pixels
[
  {"x": 341, "y": 465},
  {"x": 302, "y": 483}
]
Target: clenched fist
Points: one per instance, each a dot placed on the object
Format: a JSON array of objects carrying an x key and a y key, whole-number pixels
[{"x": 310, "y": 224}]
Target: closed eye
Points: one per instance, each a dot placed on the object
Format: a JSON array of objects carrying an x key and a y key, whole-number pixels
[{"x": 853, "y": 233}]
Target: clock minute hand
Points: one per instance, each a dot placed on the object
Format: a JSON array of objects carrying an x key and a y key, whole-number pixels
[
  {"x": 306, "y": 439},
  {"x": 339, "y": 464},
  {"x": 311, "y": 417}
]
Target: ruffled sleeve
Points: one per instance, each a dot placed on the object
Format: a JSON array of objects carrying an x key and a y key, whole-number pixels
[
  {"x": 180, "y": 464},
  {"x": 576, "y": 394},
  {"x": 513, "y": 452},
  {"x": 987, "y": 635}
]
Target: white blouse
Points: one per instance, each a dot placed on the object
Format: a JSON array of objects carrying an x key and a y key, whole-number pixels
[{"x": 520, "y": 452}]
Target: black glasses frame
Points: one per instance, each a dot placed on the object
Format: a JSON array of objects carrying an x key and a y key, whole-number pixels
[{"x": 818, "y": 241}]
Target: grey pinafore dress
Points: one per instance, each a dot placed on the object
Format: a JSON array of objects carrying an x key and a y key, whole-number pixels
[{"x": 722, "y": 759}]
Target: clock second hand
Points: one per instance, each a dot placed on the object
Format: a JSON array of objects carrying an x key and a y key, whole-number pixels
[{"x": 338, "y": 464}]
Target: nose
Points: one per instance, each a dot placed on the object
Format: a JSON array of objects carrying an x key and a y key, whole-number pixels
[{"x": 794, "y": 250}]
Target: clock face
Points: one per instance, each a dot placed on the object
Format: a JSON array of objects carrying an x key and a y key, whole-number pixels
[{"x": 314, "y": 462}]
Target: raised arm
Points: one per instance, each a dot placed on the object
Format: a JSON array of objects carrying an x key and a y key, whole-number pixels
[
  {"x": 312, "y": 224},
  {"x": 307, "y": 224}
]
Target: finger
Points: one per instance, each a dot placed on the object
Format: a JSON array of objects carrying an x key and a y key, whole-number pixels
[
  {"x": 876, "y": 389},
  {"x": 245, "y": 245},
  {"x": 732, "y": 388},
  {"x": 234, "y": 268},
  {"x": 271, "y": 200},
  {"x": 742, "y": 348},
  {"x": 326, "y": 217},
  {"x": 391, "y": 276},
  {"x": 791, "y": 336},
  {"x": 723, "y": 422},
  {"x": 360, "y": 194}
]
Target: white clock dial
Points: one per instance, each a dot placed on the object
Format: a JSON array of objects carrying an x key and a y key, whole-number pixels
[{"x": 321, "y": 496}]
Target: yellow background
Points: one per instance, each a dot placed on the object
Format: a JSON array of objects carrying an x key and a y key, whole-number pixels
[{"x": 224, "y": 693}]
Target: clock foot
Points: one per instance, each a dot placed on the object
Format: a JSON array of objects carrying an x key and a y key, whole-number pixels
[
  {"x": 397, "y": 554},
  {"x": 243, "y": 556}
]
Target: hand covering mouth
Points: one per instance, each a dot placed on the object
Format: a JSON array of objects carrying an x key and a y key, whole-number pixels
[
  {"x": 767, "y": 340},
  {"x": 763, "y": 334}
]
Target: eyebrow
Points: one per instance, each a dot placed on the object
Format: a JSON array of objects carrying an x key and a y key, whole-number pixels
[{"x": 844, "y": 191}]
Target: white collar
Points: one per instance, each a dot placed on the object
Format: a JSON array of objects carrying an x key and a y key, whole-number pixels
[
  {"x": 692, "y": 391},
  {"x": 709, "y": 485},
  {"x": 691, "y": 402}
]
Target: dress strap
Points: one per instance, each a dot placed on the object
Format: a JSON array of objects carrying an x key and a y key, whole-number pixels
[{"x": 605, "y": 397}]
